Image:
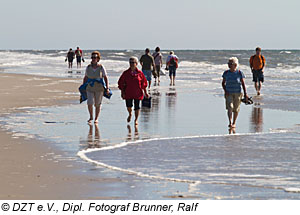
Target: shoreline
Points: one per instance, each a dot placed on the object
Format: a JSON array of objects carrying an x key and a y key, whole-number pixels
[{"x": 29, "y": 169}]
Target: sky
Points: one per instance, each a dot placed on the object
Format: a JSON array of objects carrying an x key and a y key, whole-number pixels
[{"x": 136, "y": 24}]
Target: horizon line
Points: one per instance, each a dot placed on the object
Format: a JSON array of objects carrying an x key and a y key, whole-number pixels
[{"x": 167, "y": 49}]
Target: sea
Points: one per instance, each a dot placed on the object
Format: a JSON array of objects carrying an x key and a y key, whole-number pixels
[{"x": 182, "y": 147}]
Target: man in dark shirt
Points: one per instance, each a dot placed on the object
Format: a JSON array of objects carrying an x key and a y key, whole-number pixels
[
  {"x": 147, "y": 62},
  {"x": 70, "y": 58}
]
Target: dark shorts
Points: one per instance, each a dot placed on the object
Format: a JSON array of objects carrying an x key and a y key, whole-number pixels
[
  {"x": 70, "y": 59},
  {"x": 172, "y": 71},
  {"x": 78, "y": 58},
  {"x": 258, "y": 75},
  {"x": 129, "y": 103},
  {"x": 147, "y": 74}
]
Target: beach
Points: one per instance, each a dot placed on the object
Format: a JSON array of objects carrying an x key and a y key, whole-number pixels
[
  {"x": 28, "y": 168},
  {"x": 182, "y": 147}
]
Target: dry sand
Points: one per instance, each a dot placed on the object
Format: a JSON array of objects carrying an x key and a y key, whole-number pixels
[{"x": 27, "y": 169}]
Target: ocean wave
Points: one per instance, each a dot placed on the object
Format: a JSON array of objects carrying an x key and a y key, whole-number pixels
[
  {"x": 202, "y": 65},
  {"x": 52, "y": 63},
  {"x": 120, "y": 54},
  {"x": 286, "y": 52}
]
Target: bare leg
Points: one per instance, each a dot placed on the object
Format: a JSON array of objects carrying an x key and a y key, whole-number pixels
[
  {"x": 97, "y": 114},
  {"x": 149, "y": 84},
  {"x": 173, "y": 80},
  {"x": 229, "y": 114},
  {"x": 259, "y": 87},
  {"x": 235, "y": 115},
  {"x": 129, "y": 109},
  {"x": 256, "y": 88},
  {"x": 136, "y": 113},
  {"x": 90, "y": 108}
]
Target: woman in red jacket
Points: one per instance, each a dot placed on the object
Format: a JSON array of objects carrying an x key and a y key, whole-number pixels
[{"x": 133, "y": 84}]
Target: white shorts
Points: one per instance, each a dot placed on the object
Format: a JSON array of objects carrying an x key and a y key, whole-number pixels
[{"x": 94, "y": 98}]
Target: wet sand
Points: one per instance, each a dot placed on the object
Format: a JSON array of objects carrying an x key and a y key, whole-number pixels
[{"x": 28, "y": 170}]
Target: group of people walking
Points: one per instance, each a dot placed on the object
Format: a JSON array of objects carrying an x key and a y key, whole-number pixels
[
  {"x": 71, "y": 55},
  {"x": 152, "y": 64},
  {"x": 133, "y": 82}
]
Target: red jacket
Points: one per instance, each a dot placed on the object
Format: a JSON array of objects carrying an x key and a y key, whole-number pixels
[{"x": 133, "y": 84}]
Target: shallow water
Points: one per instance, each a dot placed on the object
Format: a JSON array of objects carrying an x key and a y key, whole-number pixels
[
  {"x": 241, "y": 165},
  {"x": 175, "y": 112},
  {"x": 260, "y": 161}
]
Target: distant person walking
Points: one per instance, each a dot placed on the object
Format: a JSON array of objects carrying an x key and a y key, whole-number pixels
[
  {"x": 96, "y": 77},
  {"x": 70, "y": 57},
  {"x": 133, "y": 85},
  {"x": 148, "y": 66},
  {"x": 172, "y": 65},
  {"x": 79, "y": 57},
  {"x": 158, "y": 63},
  {"x": 257, "y": 64},
  {"x": 233, "y": 79}
]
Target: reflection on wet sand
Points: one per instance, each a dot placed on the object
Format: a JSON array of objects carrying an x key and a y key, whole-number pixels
[
  {"x": 156, "y": 83},
  {"x": 257, "y": 119},
  {"x": 171, "y": 97},
  {"x": 156, "y": 97},
  {"x": 93, "y": 140},
  {"x": 136, "y": 133},
  {"x": 155, "y": 106},
  {"x": 231, "y": 130},
  {"x": 145, "y": 115}
]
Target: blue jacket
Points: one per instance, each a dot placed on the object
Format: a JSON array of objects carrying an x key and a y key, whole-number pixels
[{"x": 91, "y": 82}]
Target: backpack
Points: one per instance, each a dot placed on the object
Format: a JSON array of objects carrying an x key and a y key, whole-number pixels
[
  {"x": 262, "y": 59},
  {"x": 173, "y": 62}
]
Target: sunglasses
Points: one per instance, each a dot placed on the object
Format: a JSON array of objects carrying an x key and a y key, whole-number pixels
[
  {"x": 132, "y": 62},
  {"x": 94, "y": 57}
]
